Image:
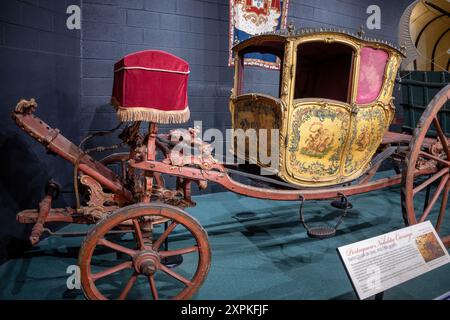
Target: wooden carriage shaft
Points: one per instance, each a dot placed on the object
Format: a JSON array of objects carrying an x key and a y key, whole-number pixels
[
  {"x": 58, "y": 144},
  {"x": 63, "y": 147},
  {"x": 288, "y": 195}
]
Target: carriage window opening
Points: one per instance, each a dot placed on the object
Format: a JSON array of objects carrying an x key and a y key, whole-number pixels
[
  {"x": 324, "y": 70},
  {"x": 256, "y": 79}
]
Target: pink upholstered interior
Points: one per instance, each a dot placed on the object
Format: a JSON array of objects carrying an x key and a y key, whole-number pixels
[{"x": 371, "y": 74}]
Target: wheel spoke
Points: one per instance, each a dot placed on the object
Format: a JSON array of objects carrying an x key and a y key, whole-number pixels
[
  {"x": 138, "y": 234},
  {"x": 107, "y": 272},
  {"x": 116, "y": 247},
  {"x": 128, "y": 286},
  {"x": 443, "y": 207},
  {"x": 430, "y": 180},
  {"x": 434, "y": 198},
  {"x": 433, "y": 157},
  {"x": 442, "y": 136},
  {"x": 170, "y": 253},
  {"x": 146, "y": 263},
  {"x": 175, "y": 275},
  {"x": 446, "y": 241},
  {"x": 164, "y": 236},
  {"x": 154, "y": 290}
]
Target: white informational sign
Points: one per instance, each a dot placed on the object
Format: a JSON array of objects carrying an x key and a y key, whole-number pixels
[{"x": 380, "y": 263}]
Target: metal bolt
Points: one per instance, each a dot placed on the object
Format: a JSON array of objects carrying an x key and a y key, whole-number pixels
[{"x": 148, "y": 268}]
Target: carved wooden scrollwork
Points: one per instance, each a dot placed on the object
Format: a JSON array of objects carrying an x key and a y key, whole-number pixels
[{"x": 99, "y": 203}]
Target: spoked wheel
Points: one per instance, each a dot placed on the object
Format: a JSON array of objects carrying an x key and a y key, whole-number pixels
[
  {"x": 140, "y": 274},
  {"x": 120, "y": 160},
  {"x": 425, "y": 198}
]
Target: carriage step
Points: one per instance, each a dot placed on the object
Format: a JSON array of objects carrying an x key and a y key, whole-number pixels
[
  {"x": 55, "y": 215},
  {"x": 342, "y": 204},
  {"x": 323, "y": 232}
]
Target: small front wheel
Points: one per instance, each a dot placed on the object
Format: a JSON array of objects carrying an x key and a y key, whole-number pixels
[{"x": 140, "y": 273}]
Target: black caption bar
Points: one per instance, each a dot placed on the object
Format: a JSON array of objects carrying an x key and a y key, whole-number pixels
[{"x": 203, "y": 310}]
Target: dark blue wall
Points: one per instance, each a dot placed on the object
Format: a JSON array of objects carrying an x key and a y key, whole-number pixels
[
  {"x": 70, "y": 73},
  {"x": 39, "y": 57}
]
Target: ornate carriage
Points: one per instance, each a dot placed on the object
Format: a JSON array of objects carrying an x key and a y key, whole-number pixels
[
  {"x": 334, "y": 104},
  {"x": 333, "y": 112}
]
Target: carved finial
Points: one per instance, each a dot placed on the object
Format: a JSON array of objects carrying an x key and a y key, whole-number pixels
[
  {"x": 25, "y": 106},
  {"x": 398, "y": 80},
  {"x": 291, "y": 27},
  {"x": 403, "y": 47},
  {"x": 361, "y": 32}
]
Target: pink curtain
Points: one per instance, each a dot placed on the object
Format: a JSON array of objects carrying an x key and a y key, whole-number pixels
[{"x": 371, "y": 74}]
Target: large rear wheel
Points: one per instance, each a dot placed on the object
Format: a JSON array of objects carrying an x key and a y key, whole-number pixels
[{"x": 426, "y": 198}]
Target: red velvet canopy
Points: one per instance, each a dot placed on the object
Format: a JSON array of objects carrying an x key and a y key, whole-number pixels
[{"x": 151, "y": 86}]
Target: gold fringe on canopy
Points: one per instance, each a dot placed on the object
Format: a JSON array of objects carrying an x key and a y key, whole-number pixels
[{"x": 150, "y": 115}]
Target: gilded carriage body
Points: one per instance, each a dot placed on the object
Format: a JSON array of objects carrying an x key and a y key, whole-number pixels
[{"x": 333, "y": 107}]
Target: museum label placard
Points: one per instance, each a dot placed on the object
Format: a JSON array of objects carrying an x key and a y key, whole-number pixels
[{"x": 380, "y": 263}]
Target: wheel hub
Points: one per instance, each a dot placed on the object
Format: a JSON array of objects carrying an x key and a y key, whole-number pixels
[{"x": 147, "y": 262}]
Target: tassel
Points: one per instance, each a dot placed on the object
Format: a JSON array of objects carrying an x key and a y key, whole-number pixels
[{"x": 152, "y": 115}]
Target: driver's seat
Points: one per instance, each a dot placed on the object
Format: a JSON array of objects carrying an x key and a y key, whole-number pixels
[{"x": 151, "y": 86}]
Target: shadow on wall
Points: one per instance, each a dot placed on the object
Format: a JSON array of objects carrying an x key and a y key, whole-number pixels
[
  {"x": 25, "y": 169},
  {"x": 21, "y": 174}
]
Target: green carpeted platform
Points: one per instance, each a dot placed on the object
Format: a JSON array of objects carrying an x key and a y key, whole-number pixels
[{"x": 259, "y": 251}]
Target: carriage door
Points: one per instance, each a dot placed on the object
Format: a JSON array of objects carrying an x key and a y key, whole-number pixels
[
  {"x": 372, "y": 113},
  {"x": 320, "y": 115}
]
